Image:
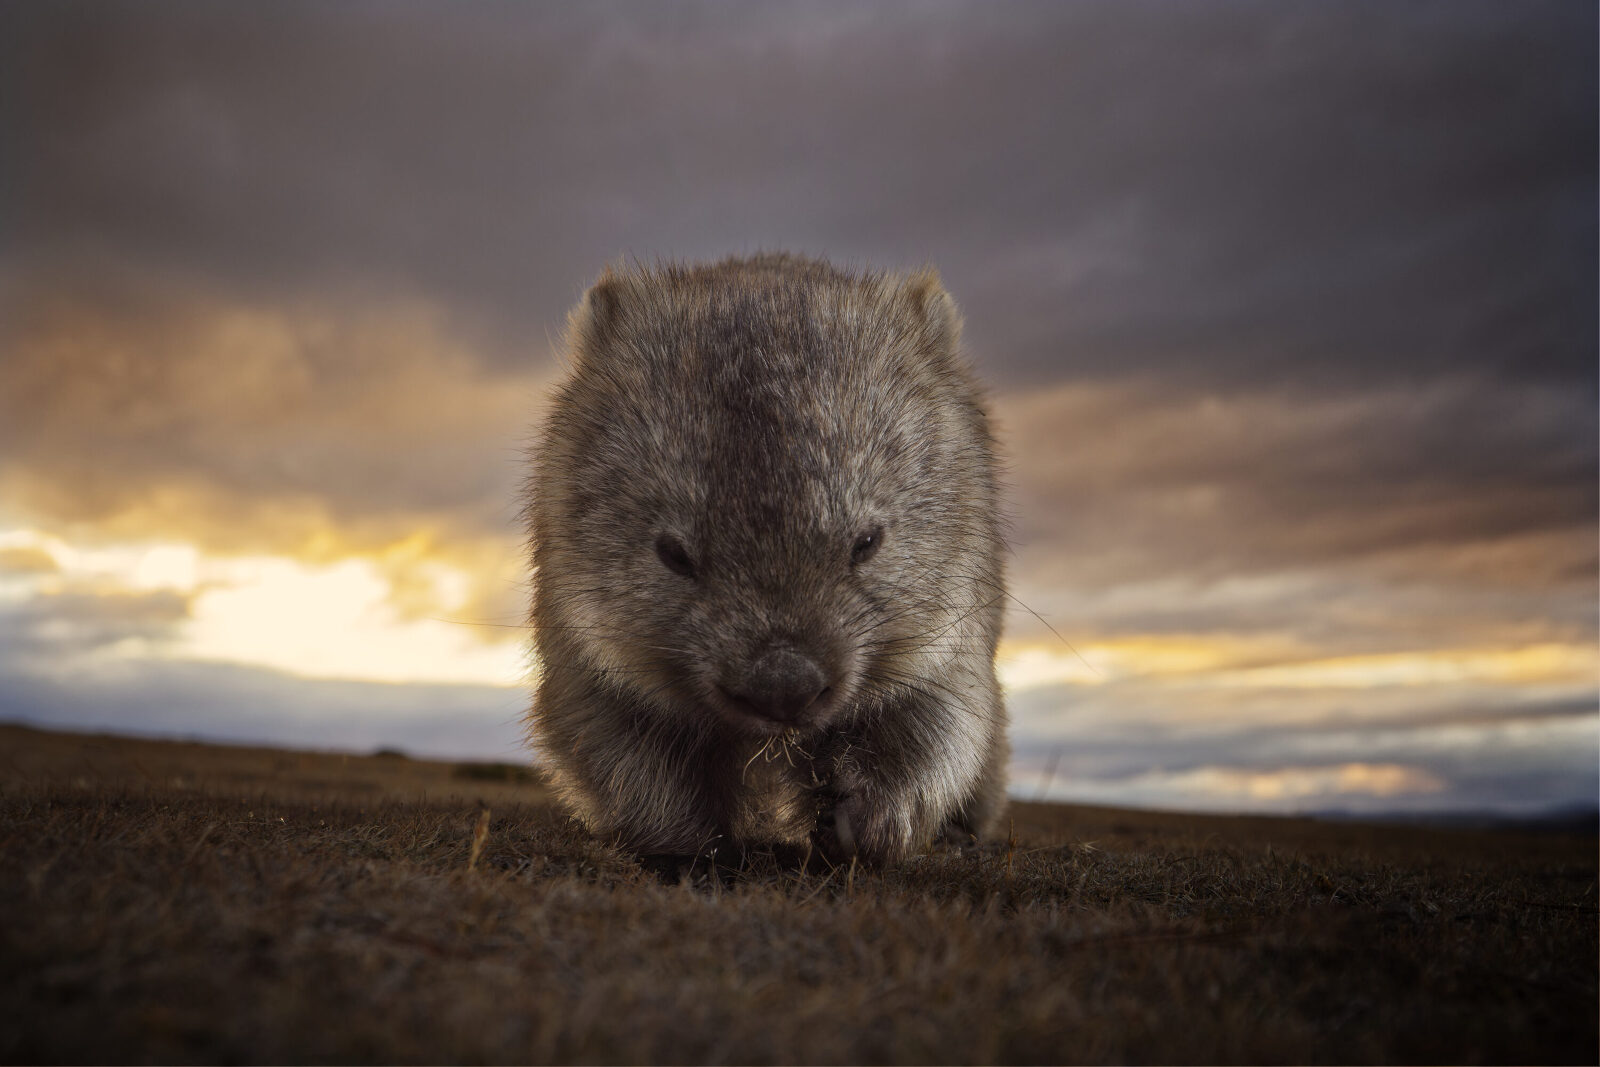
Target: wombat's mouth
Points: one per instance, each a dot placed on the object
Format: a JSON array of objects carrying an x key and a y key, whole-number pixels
[
  {"x": 773, "y": 717},
  {"x": 764, "y": 716}
]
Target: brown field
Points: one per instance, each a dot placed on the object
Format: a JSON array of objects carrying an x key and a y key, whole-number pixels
[{"x": 169, "y": 902}]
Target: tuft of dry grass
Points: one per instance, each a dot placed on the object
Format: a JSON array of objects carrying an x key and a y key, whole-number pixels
[
  {"x": 187, "y": 903},
  {"x": 480, "y": 835}
]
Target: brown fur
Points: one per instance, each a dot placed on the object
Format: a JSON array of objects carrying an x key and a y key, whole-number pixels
[{"x": 705, "y": 492}]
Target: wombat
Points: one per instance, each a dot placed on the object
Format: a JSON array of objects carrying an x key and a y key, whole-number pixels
[{"x": 768, "y": 582}]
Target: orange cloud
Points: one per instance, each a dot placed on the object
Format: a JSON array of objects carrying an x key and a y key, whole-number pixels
[
  {"x": 1304, "y": 783},
  {"x": 26, "y": 561},
  {"x": 235, "y": 424}
]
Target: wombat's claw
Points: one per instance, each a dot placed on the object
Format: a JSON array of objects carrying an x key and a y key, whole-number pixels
[{"x": 849, "y": 828}]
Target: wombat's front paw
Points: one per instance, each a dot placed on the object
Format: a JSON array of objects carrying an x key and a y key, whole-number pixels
[{"x": 853, "y": 825}]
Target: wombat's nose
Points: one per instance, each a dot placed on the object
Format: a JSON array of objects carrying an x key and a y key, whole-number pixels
[{"x": 780, "y": 685}]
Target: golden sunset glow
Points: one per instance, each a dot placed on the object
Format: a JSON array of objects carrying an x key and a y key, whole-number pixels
[
  {"x": 1217, "y": 663},
  {"x": 1031, "y": 665},
  {"x": 399, "y": 615},
  {"x": 1297, "y": 783},
  {"x": 1552, "y": 663}
]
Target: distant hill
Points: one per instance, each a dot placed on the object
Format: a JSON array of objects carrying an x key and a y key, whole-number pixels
[{"x": 1565, "y": 819}]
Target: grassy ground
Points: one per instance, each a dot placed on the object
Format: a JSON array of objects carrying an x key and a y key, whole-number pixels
[{"x": 175, "y": 903}]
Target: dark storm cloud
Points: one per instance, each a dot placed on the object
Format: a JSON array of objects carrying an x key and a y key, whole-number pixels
[
  {"x": 1277, "y": 198},
  {"x": 1148, "y": 482},
  {"x": 1300, "y": 193}
]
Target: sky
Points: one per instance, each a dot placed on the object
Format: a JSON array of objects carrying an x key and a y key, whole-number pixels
[{"x": 1288, "y": 313}]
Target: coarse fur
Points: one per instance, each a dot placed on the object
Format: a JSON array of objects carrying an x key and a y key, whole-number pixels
[{"x": 767, "y": 546}]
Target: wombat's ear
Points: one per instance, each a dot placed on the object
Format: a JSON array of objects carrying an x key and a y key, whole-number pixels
[
  {"x": 932, "y": 306},
  {"x": 597, "y": 315}
]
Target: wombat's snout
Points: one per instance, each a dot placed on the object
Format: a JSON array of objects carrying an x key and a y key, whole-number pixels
[{"x": 782, "y": 685}]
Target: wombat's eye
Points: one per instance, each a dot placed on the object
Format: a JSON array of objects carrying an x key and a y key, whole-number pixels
[
  {"x": 673, "y": 555},
  {"x": 866, "y": 545}
]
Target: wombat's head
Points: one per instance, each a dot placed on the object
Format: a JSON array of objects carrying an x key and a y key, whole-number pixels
[{"x": 765, "y": 492}]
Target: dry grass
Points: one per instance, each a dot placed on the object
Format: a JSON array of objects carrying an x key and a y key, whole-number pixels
[{"x": 180, "y": 903}]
